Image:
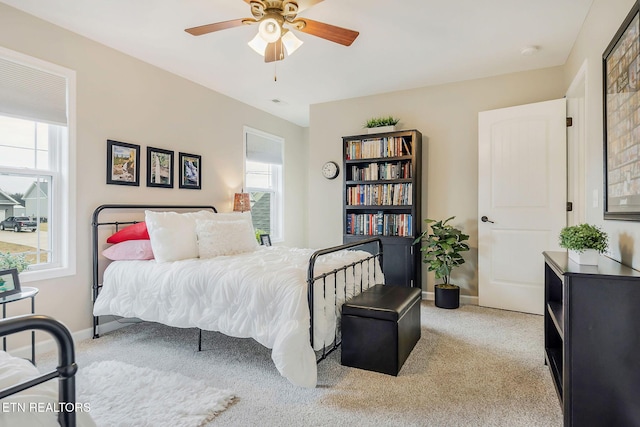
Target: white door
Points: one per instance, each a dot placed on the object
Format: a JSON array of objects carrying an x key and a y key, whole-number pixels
[{"x": 522, "y": 193}]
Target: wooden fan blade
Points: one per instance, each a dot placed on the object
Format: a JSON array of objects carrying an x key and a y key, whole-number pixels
[
  {"x": 329, "y": 32},
  {"x": 274, "y": 52},
  {"x": 210, "y": 28}
]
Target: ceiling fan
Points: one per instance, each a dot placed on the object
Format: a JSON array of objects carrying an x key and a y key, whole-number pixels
[{"x": 276, "y": 19}]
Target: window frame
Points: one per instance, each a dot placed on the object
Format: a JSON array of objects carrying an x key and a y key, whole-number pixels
[
  {"x": 277, "y": 205},
  {"x": 63, "y": 189}
]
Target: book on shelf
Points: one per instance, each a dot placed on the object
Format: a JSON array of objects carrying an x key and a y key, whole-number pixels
[
  {"x": 394, "y": 146},
  {"x": 399, "y": 194},
  {"x": 382, "y": 171},
  {"x": 379, "y": 224}
]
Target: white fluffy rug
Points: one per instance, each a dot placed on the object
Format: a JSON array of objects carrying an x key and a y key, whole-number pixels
[{"x": 122, "y": 395}]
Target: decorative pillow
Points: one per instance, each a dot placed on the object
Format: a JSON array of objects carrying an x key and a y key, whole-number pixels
[
  {"x": 216, "y": 238},
  {"x": 129, "y": 250},
  {"x": 136, "y": 231},
  {"x": 234, "y": 216},
  {"x": 173, "y": 235}
]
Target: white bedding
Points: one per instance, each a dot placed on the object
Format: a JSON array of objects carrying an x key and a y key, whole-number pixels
[
  {"x": 36, "y": 406},
  {"x": 260, "y": 295}
]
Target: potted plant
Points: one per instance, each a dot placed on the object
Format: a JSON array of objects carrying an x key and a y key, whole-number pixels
[
  {"x": 381, "y": 124},
  {"x": 441, "y": 252},
  {"x": 584, "y": 243}
]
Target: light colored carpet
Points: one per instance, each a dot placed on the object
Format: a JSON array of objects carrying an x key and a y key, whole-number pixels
[
  {"x": 122, "y": 395},
  {"x": 472, "y": 367}
]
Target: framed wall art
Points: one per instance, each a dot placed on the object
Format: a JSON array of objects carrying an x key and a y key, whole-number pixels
[
  {"x": 159, "y": 168},
  {"x": 621, "y": 75},
  {"x": 190, "y": 171},
  {"x": 9, "y": 282},
  {"x": 123, "y": 163}
]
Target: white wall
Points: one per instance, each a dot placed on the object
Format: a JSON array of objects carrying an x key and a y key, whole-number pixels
[
  {"x": 122, "y": 98},
  {"x": 600, "y": 26},
  {"x": 447, "y": 116}
]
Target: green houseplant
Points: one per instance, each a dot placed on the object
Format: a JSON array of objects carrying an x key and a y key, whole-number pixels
[
  {"x": 381, "y": 124},
  {"x": 442, "y": 247},
  {"x": 584, "y": 242}
]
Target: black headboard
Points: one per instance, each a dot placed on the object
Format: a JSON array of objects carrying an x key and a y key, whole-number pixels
[{"x": 96, "y": 223}]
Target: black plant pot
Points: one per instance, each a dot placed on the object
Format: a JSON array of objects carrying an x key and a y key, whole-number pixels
[{"x": 447, "y": 297}]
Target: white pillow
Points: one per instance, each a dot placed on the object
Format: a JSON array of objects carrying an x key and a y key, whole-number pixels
[
  {"x": 173, "y": 235},
  {"x": 216, "y": 238},
  {"x": 234, "y": 216}
]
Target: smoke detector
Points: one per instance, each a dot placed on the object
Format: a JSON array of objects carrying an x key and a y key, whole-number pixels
[{"x": 529, "y": 50}]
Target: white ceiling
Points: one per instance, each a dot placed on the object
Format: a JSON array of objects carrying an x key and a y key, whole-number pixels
[{"x": 402, "y": 44}]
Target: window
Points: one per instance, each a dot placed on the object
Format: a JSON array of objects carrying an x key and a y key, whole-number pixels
[
  {"x": 37, "y": 204},
  {"x": 263, "y": 181}
]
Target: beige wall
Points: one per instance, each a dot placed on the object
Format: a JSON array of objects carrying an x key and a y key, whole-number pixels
[
  {"x": 122, "y": 98},
  {"x": 447, "y": 116},
  {"x": 601, "y": 24},
  {"x": 125, "y": 99}
]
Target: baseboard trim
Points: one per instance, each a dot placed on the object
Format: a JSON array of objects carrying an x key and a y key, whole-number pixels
[
  {"x": 48, "y": 345},
  {"x": 464, "y": 299}
]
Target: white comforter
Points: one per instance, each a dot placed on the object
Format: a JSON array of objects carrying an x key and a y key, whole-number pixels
[{"x": 261, "y": 295}]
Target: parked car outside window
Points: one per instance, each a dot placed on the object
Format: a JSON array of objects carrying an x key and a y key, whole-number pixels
[{"x": 18, "y": 223}]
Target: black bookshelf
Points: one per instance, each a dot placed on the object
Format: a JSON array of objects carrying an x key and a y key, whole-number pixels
[
  {"x": 382, "y": 197},
  {"x": 591, "y": 340}
]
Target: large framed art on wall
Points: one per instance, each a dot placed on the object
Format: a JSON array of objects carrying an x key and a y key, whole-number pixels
[{"x": 621, "y": 84}]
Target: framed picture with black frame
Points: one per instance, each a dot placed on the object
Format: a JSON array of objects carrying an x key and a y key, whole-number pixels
[
  {"x": 123, "y": 163},
  {"x": 190, "y": 171},
  {"x": 159, "y": 168},
  {"x": 9, "y": 282},
  {"x": 265, "y": 240},
  {"x": 621, "y": 98}
]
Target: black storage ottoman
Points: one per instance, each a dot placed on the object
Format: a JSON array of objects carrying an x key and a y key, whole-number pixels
[{"x": 380, "y": 327}]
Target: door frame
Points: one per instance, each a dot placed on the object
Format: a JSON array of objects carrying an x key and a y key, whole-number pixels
[{"x": 576, "y": 146}]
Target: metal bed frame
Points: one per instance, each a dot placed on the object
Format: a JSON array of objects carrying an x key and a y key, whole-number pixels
[
  {"x": 374, "y": 244},
  {"x": 66, "y": 369}
]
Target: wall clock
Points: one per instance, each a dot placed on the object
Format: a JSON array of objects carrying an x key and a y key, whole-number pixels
[{"x": 330, "y": 170}]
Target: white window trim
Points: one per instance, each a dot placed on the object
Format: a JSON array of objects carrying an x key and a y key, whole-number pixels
[
  {"x": 64, "y": 188},
  {"x": 279, "y": 195}
]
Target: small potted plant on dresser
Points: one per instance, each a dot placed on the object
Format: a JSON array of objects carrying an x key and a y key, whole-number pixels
[
  {"x": 442, "y": 249},
  {"x": 584, "y": 243}
]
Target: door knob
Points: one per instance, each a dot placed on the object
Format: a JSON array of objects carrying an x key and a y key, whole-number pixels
[{"x": 485, "y": 219}]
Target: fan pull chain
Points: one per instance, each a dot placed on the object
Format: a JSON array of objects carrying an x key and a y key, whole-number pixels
[{"x": 275, "y": 74}]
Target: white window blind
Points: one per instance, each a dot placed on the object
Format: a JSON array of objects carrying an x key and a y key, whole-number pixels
[
  {"x": 37, "y": 152},
  {"x": 263, "y": 150},
  {"x": 31, "y": 93}
]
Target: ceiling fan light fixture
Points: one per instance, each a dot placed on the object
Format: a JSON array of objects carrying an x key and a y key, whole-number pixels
[
  {"x": 270, "y": 30},
  {"x": 258, "y": 44},
  {"x": 291, "y": 42}
]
